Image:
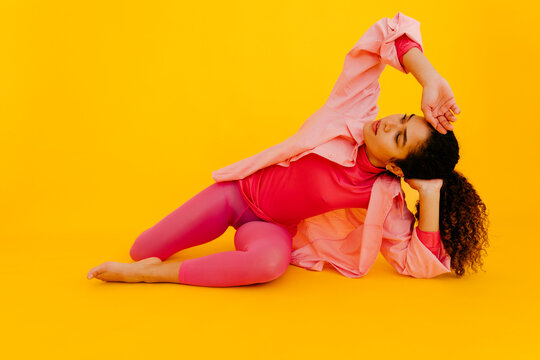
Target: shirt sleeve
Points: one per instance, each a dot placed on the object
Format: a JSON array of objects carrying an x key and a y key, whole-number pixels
[
  {"x": 431, "y": 240},
  {"x": 404, "y": 44},
  {"x": 402, "y": 248},
  {"x": 357, "y": 88}
]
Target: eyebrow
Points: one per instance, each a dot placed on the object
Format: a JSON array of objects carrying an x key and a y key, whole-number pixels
[{"x": 405, "y": 132}]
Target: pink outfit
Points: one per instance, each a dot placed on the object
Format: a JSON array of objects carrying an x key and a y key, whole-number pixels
[
  {"x": 350, "y": 239},
  {"x": 364, "y": 209}
]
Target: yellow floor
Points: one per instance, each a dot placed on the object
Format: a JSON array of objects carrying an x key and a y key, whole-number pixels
[{"x": 50, "y": 308}]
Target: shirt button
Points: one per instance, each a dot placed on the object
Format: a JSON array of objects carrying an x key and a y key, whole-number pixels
[{"x": 331, "y": 155}]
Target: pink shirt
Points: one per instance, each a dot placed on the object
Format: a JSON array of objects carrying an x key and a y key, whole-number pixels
[{"x": 350, "y": 239}]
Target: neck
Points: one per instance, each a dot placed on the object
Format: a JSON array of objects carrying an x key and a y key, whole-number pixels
[{"x": 373, "y": 160}]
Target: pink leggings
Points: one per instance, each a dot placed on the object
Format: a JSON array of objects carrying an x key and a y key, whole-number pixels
[{"x": 263, "y": 249}]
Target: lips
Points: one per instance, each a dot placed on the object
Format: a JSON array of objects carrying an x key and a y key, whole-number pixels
[{"x": 375, "y": 126}]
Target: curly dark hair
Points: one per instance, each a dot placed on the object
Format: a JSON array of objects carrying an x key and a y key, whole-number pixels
[{"x": 463, "y": 217}]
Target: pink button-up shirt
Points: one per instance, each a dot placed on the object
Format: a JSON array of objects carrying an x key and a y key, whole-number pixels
[{"x": 350, "y": 239}]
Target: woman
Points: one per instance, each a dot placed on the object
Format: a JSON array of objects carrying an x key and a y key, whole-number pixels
[{"x": 331, "y": 193}]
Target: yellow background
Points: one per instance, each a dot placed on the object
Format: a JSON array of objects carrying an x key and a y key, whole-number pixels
[{"x": 114, "y": 113}]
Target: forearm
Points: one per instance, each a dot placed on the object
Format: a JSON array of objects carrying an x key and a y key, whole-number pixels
[
  {"x": 417, "y": 64},
  {"x": 162, "y": 272},
  {"x": 429, "y": 210}
]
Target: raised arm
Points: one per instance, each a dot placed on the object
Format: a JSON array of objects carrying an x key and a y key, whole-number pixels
[
  {"x": 357, "y": 88},
  {"x": 438, "y": 100}
]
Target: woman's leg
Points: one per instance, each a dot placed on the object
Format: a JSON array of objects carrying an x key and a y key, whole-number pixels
[
  {"x": 263, "y": 248},
  {"x": 201, "y": 219},
  {"x": 263, "y": 254}
]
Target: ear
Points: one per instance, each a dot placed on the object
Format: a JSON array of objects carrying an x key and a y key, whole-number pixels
[{"x": 393, "y": 168}]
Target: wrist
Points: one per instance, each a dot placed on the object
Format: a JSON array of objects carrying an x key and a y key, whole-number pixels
[
  {"x": 418, "y": 65},
  {"x": 428, "y": 77},
  {"x": 429, "y": 191}
]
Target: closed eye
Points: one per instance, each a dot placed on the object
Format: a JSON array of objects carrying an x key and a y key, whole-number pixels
[
  {"x": 397, "y": 136},
  {"x": 405, "y": 132}
]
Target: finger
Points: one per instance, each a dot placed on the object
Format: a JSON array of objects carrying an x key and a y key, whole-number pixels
[
  {"x": 450, "y": 116},
  {"x": 444, "y": 109},
  {"x": 429, "y": 116},
  {"x": 455, "y": 109},
  {"x": 448, "y": 125},
  {"x": 445, "y": 123},
  {"x": 441, "y": 128},
  {"x": 438, "y": 126}
]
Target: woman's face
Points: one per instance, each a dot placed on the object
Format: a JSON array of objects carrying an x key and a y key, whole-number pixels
[{"x": 393, "y": 137}]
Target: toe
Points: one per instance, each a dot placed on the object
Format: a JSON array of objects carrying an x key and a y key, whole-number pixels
[
  {"x": 96, "y": 271},
  {"x": 91, "y": 273}
]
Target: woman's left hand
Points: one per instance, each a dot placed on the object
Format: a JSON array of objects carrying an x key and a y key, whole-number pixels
[
  {"x": 437, "y": 103},
  {"x": 425, "y": 185}
]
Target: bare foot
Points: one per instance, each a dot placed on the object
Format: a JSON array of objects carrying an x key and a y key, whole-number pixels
[{"x": 116, "y": 271}]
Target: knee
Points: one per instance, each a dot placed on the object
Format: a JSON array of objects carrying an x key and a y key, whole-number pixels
[
  {"x": 269, "y": 246},
  {"x": 139, "y": 250},
  {"x": 134, "y": 253},
  {"x": 272, "y": 264}
]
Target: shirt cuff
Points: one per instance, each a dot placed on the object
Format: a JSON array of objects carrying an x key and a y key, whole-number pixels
[{"x": 431, "y": 240}]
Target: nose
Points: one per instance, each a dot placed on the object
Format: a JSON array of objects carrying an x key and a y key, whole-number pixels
[{"x": 390, "y": 125}]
